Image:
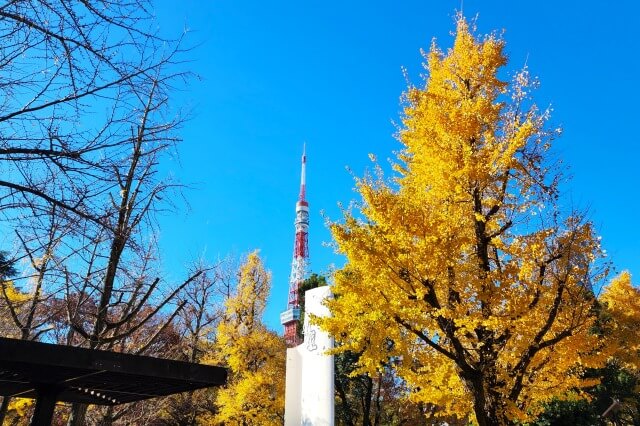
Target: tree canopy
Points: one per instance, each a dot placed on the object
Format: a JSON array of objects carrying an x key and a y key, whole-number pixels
[
  {"x": 255, "y": 356},
  {"x": 462, "y": 267}
]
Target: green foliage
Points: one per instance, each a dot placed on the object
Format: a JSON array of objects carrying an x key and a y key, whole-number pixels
[
  {"x": 349, "y": 389},
  {"x": 569, "y": 413},
  {"x": 314, "y": 281},
  {"x": 616, "y": 384},
  {"x": 371, "y": 400}
]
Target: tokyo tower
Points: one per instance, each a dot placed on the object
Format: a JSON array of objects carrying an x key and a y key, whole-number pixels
[{"x": 289, "y": 318}]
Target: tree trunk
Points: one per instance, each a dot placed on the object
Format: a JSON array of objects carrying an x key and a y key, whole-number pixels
[
  {"x": 486, "y": 405},
  {"x": 366, "y": 414},
  {"x": 346, "y": 409},
  {"x": 78, "y": 415},
  {"x": 376, "y": 421},
  {"x": 107, "y": 419},
  {"x": 3, "y": 409}
]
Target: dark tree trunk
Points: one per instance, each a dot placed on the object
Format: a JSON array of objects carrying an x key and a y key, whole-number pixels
[
  {"x": 3, "y": 408},
  {"x": 486, "y": 405},
  {"x": 78, "y": 415},
  {"x": 346, "y": 409},
  {"x": 366, "y": 415}
]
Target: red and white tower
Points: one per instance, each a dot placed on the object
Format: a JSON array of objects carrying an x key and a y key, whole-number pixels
[{"x": 290, "y": 317}]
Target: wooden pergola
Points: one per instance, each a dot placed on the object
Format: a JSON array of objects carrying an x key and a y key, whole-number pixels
[{"x": 50, "y": 373}]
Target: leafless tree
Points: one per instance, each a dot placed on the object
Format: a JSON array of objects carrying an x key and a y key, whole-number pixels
[
  {"x": 84, "y": 121},
  {"x": 70, "y": 77},
  {"x": 27, "y": 299},
  {"x": 205, "y": 298},
  {"x": 27, "y": 313},
  {"x": 197, "y": 323},
  {"x": 115, "y": 294}
]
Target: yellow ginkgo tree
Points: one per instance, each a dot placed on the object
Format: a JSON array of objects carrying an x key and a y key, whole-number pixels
[
  {"x": 254, "y": 355},
  {"x": 622, "y": 306},
  {"x": 462, "y": 268}
]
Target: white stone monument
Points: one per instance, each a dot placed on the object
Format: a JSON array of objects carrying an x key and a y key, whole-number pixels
[{"x": 309, "y": 392}]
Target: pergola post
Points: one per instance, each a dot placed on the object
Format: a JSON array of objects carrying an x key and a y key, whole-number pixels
[{"x": 46, "y": 397}]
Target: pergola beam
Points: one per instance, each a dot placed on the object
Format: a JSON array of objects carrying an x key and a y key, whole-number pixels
[{"x": 51, "y": 373}]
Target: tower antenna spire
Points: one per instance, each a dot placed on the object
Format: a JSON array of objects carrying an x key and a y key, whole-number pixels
[
  {"x": 303, "y": 173},
  {"x": 289, "y": 318}
]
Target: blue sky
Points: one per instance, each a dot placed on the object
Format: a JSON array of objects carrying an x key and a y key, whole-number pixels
[{"x": 275, "y": 74}]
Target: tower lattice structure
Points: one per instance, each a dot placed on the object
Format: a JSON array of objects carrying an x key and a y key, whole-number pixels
[{"x": 290, "y": 317}]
